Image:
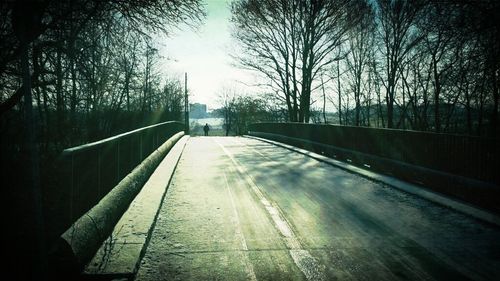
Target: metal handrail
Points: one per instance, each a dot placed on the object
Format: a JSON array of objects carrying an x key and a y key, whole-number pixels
[
  {"x": 89, "y": 171},
  {"x": 113, "y": 138}
]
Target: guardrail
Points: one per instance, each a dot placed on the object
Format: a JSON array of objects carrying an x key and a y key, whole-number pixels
[
  {"x": 465, "y": 167},
  {"x": 90, "y": 171},
  {"x": 79, "y": 243}
]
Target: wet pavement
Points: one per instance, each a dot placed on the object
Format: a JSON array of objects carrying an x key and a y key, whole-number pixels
[{"x": 242, "y": 209}]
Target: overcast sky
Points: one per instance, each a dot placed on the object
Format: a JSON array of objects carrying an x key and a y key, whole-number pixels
[{"x": 204, "y": 55}]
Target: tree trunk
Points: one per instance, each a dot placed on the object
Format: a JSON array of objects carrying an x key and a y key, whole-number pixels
[
  {"x": 59, "y": 96},
  {"x": 324, "y": 100},
  {"x": 437, "y": 93},
  {"x": 389, "y": 98},
  {"x": 390, "y": 108},
  {"x": 339, "y": 94},
  {"x": 496, "y": 96},
  {"x": 31, "y": 179}
]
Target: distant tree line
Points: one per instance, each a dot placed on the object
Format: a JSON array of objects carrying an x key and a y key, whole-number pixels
[
  {"x": 238, "y": 110},
  {"x": 94, "y": 68},
  {"x": 426, "y": 65}
]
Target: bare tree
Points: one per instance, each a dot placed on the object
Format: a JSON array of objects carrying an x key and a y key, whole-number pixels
[
  {"x": 227, "y": 99},
  {"x": 396, "y": 22},
  {"x": 323, "y": 26},
  {"x": 358, "y": 60},
  {"x": 290, "y": 42},
  {"x": 65, "y": 67},
  {"x": 54, "y": 16}
]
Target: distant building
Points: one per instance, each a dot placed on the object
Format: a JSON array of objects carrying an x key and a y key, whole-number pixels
[{"x": 197, "y": 110}]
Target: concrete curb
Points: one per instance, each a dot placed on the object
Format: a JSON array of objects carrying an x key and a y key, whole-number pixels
[
  {"x": 399, "y": 184},
  {"x": 121, "y": 253},
  {"x": 80, "y": 242}
]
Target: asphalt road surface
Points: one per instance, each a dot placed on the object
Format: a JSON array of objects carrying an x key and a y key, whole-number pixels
[{"x": 242, "y": 209}]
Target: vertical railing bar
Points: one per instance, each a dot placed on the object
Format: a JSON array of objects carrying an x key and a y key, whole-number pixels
[
  {"x": 81, "y": 177},
  {"x": 72, "y": 187},
  {"x": 118, "y": 161},
  {"x": 99, "y": 173}
]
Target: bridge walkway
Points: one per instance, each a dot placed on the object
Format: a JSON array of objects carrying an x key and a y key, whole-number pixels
[{"x": 242, "y": 209}]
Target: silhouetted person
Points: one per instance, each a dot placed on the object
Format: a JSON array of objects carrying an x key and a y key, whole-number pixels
[{"x": 206, "y": 129}]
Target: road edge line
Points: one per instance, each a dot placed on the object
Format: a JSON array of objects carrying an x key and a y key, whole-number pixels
[{"x": 302, "y": 258}]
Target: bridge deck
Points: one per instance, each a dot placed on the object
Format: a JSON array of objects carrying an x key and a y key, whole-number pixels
[{"x": 241, "y": 209}]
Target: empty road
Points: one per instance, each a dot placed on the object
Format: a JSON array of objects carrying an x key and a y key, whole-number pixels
[{"x": 242, "y": 209}]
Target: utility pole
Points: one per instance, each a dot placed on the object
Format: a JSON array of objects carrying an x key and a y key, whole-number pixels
[{"x": 186, "y": 104}]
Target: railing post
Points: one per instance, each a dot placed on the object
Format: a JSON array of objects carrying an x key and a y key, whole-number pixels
[
  {"x": 118, "y": 161},
  {"x": 140, "y": 147},
  {"x": 72, "y": 189},
  {"x": 91, "y": 174},
  {"x": 99, "y": 172}
]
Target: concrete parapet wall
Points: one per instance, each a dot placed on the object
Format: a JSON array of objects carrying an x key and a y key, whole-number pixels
[
  {"x": 79, "y": 243},
  {"x": 479, "y": 193}
]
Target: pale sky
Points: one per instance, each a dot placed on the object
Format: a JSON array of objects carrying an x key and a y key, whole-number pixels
[{"x": 204, "y": 55}]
